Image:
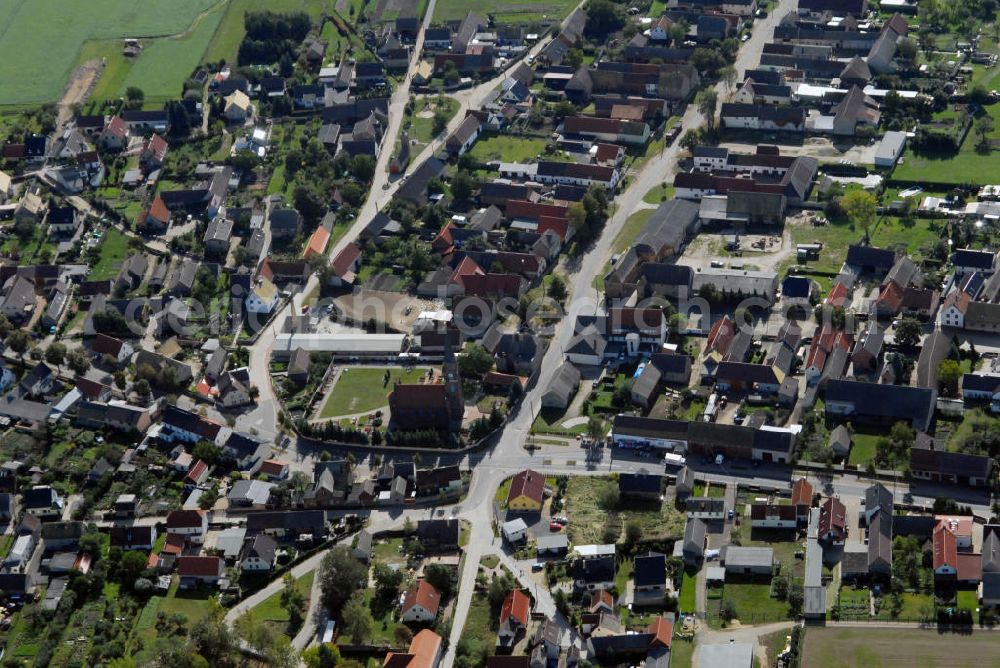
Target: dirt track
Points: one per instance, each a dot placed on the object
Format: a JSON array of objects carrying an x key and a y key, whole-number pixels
[{"x": 80, "y": 86}]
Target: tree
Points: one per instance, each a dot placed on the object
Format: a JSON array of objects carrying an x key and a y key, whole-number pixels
[
  {"x": 557, "y": 288},
  {"x": 387, "y": 582},
  {"x": 340, "y": 576},
  {"x": 984, "y": 127},
  {"x": 308, "y": 202},
  {"x": 474, "y": 361},
  {"x": 142, "y": 388},
  {"x": 691, "y": 140},
  {"x": 949, "y": 373},
  {"x": 708, "y": 62},
  {"x": 131, "y": 565},
  {"x": 603, "y": 18},
  {"x": 633, "y": 532},
  {"x": 906, "y": 50},
  {"x": 18, "y": 341},
  {"x": 861, "y": 207},
  {"x": 292, "y": 601},
  {"x": 728, "y": 75},
  {"x": 708, "y": 100},
  {"x": 795, "y": 598},
  {"x": 440, "y": 578},
  {"x": 180, "y": 122},
  {"x": 212, "y": 638},
  {"x": 55, "y": 353},
  {"x": 462, "y": 186},
  {"x": 325, "y": 655},
  {"x": 356, "y": 619},
  {"x": 207, "y": 452},
  {"x": 276, "y": 647},
  {"x": 134, "y": 97},
  {"x": 577, "y": 216},
  {"x": 908, "y": 333},
  {"x": 78, "y": 361},
  {"x": 363, "y": 167},
  {"x": 440, "y": 120}
]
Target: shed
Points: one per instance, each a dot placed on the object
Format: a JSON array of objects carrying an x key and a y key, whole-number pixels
[{"x": 890, "y": 148}]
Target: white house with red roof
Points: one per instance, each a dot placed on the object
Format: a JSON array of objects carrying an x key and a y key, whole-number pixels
[
  {"x": 421, "y": 603},
  {"x": 193, "y": 524}
]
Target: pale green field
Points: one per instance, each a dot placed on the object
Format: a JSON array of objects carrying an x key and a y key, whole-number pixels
[{"x": 41, "y": 40}]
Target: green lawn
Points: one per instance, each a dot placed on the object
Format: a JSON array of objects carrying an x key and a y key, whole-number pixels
[
  {"x": 478, "y": 631},
  {"x": 273, "y": 614},
  {"x": 968, "y": 166},
  {"x": 626, "y": 236},
  {"x": 688, "y": 600},
  {"x": 41, "y": 39},
  {"x": 660, "y": 193},
  {"x": 506, "y": 148},
  {"x": 359, "y": 390},
  {"x": 388, "y": 551},
  {"x": 421, "y": 128},
  {"x": 967, "y": 598},
  {"x": 114, "y": 249},
  {"x": 681, "y": 653},
  {"x": 30, "y": 251},
  {"x": 862, "y": 449},
  {"x": 753, "y": 602}
]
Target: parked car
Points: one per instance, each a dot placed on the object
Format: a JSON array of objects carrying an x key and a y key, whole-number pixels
[{"x": 555, "y": 526}]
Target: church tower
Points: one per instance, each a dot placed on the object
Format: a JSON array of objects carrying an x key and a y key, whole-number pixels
[{"x": 453, "y": 383}]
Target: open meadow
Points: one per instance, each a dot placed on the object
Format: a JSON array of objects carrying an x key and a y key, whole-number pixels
[
  {"x": 40, "y": 40},
  {"x": 884, "y": 648}
]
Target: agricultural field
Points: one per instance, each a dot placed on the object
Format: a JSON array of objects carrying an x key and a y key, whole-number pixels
[
  {"x": 525, "y": 11},
  {"x": 40, "y": 40},
  {"x": 881, "y": 648}
]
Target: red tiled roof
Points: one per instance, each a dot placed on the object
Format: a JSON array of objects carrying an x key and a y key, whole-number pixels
[
  {"x": 833, "y": 518},
  {"x": 720, "y": 337},
  {"x": 158, "y": 146},
  {"x": 518, "y": 208},
  {"x": 185, "y": 519},
  {"x": 945, "y": 548},
  {"x": 90, "y": 389},
  {"x": 591, "y": 124},
  {"x": 116, "y": 126},
  {"x": 199, "y": 566},
  {"x": 489, "y": 285},
  {"x": 443, "y": 242},
  {"x": 423, "y": 594},
  {"x": 802, "y": 493},
  {"x": 467, "y": 267},
  {"x": 970, "y": 567},
  {"x": 317, "y": 242},
  {"x": 423, "y": 652},
  {"x": 106, "y": 345},
  {"x": 346, "y": 258},
  {"x": 174, "y": 544},
  {"x": 891, "y": 296},
  {"x": 558, "y": 225},
  {"x": 272, "y": 467},
  {"x": 516, "y": 605},
  {"x": 527, "y": 483},
  {"x": 838, "y": 295},
  {"x": 662, "y": 630},
  {"x": 196, "y": 472},
  {"x": 607, "y": 152},
  {"x": 602, "y": 596},
  {"x": 158, "y": 210}
]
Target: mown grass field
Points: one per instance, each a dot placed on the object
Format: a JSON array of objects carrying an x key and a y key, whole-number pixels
[
  {"x": 967, "y": 166},
  {"x": 359, "y": 390},
  {"x": 876, "y": 647},
  {"x": 114, "y": 249},
  {"x": 40, "y": 40}
]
